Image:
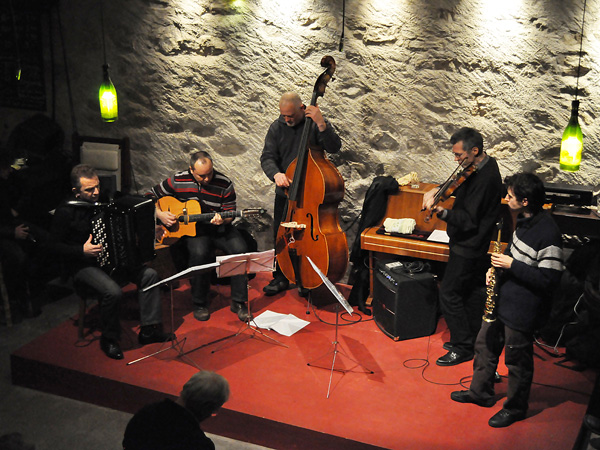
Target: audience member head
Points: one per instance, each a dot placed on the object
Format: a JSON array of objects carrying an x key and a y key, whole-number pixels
[{"x": 204, "y": 393}]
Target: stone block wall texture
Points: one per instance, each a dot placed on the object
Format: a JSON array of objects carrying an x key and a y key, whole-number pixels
[{"x": 199, "y": 74}]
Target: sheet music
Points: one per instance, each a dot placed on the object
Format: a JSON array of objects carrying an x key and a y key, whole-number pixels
[
  {"x": 182, "y": 274},
  {"x": 243, "y": 263},
  {"x": 337, "y": 294},
  {"x": 285, "y": 324},
  {"x": 439, "y": 236}
]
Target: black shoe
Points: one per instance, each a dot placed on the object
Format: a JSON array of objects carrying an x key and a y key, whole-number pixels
[
  {"x": 303, "y": 292},
  {"x": 111, "y": 348},
  {"x": 452, "y": 358},
  {"x": 276, "y": 286},
  {"x": 503, "y": 418},
  {"x": 201, "y": 313},
  {"x": 464, "y": 397},
  {"x": 241, "y": 309},
  {"x": 150, "y": 334},
  {"x": 448, "y": 346}
]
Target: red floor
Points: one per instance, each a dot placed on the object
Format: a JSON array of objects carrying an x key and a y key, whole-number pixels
[{"x": 279, "y": 401}]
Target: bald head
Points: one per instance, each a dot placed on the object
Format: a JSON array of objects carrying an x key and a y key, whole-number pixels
[
  {"x": 290, "y": 98},
  {"x": 291, "y": 108}
]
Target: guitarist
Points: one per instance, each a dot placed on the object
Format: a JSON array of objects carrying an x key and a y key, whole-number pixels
[{"x": 215, "y": 193}]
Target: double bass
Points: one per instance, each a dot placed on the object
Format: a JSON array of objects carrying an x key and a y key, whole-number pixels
[{"x": 310, "y": 227}]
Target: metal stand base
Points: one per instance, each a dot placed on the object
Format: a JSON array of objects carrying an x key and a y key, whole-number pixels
[
  {"x": 175, "y": 343},
  {"x": 253, "y": 331},
  {"x": 335, "y": 353}
]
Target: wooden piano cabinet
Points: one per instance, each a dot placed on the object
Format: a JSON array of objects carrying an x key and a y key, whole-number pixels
[{"x": 406, "y": 203}]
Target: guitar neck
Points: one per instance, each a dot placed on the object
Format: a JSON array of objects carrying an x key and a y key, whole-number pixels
[{"x": 207, "y": 217}]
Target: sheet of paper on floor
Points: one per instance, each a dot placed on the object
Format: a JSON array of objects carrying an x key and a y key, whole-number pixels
[{"x": 285, "y": 324}]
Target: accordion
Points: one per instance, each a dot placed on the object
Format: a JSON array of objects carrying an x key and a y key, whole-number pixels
[{"x": 125, "y": 229}]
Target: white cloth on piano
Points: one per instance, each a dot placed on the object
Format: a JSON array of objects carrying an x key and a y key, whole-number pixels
[{"x": 402, "y": 226}]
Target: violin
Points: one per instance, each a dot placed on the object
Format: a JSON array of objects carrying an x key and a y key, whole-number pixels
[{"x": 453, "y": 182}]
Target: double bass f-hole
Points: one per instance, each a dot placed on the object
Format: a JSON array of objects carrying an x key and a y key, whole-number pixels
[{"x": 312, "y": 227}]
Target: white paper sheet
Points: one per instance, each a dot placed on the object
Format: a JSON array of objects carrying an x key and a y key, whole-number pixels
[
  {"x": 285, "y": 324},
  {"x": 439, "y": 236},
  {"x": 243, "y": 263}
]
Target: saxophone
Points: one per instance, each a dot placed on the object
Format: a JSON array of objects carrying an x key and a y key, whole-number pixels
[{"x": 491, "y": 291}]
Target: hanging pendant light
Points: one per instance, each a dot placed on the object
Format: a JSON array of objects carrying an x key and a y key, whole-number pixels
[
  {"x": 572, "y": 142},
  {"x": 108, "y": 98},
  {"x": 571, "y": 146},
  {"x": 107, "y": 95}
]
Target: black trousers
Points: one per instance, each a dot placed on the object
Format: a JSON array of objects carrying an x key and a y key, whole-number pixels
[
  {"x": 518, "y": 356},
  {"x": 462, "y": 298},
  {"x": 94, "y": 280},
  {"x": 200, "y": 250}
]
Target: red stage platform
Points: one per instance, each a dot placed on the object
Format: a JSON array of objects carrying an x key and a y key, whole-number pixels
[{"x": 279, "y": 401}]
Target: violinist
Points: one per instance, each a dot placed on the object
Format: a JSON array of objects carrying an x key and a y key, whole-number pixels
[
  {"x": 470, "y": 224},
  {"x": 281, "y": 148}
]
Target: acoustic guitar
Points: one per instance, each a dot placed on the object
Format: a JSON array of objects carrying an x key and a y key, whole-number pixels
[{"x": 190, "y": 212}]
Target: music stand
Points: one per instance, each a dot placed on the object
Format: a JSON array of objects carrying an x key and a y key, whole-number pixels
[
  {"x": 244, "y": 264},
  {"x": 341, "y": 301},
  {"x": 175, "y": 344}
]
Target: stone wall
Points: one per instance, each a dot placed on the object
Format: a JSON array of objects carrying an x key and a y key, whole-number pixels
[{"x": 198, "y": 74}]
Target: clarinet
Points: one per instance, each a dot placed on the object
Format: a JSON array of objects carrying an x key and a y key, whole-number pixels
[{"x": 489, "y": 314}]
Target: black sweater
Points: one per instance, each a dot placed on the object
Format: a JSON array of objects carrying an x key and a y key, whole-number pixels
[
  {"x": 282, "y": 141},
  {"x": 527, "y": 286},
  {"x": 165, "y": 426},
  {"x": 476, "y": 209}
]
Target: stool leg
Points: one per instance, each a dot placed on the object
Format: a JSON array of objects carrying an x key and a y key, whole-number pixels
[{"x": 6, "y": 303}]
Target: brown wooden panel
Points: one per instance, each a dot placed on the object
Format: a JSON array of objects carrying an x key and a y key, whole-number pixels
[{"x": 407, "y": 203}]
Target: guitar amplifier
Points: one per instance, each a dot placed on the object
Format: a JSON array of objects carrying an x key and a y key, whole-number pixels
[
  {"x": 405, "y": 301},
  {"x": 125, "y": 229}
]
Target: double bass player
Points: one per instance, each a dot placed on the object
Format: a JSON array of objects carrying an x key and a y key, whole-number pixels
[{"x": 281, "y": 148}]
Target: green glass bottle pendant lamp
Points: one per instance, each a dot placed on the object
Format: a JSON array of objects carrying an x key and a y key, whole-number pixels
[
  {"x": 108, "y": 98},
  {"x": 571, "y": 145}
]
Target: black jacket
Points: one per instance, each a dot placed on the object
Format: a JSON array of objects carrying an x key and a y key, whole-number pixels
[{"x": 476, "y": 209}]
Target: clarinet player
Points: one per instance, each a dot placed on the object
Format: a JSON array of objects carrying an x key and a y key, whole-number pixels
[
  {"x": 72, "y": 241},
  {"x": 525, "y": 277}
]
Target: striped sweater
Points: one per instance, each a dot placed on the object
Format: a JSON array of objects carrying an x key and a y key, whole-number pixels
[
  {"x": 217, "y": 196},
  {"x": 526, "y": 288}
]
